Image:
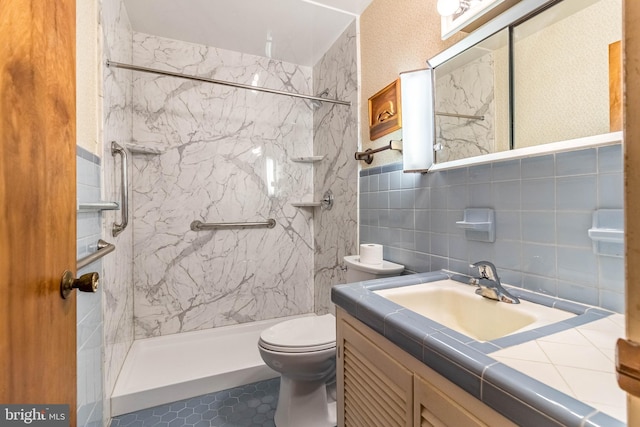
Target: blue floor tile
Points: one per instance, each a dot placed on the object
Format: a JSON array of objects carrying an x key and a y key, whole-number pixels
[{"x": 252, "y": 405}]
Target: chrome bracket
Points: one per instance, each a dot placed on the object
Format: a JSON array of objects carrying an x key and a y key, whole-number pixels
[{"x": 628, "y": 366}]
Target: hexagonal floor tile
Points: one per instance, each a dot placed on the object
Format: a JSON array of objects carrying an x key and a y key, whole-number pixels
[{"x": 252, "y": 405}]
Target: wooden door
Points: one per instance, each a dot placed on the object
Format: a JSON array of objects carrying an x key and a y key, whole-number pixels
[
  {"x": 37, "y": 199},
  {"x": 631, "y": 127}
]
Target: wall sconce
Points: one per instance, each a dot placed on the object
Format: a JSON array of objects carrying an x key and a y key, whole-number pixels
[{"x": 418, "y": 131}]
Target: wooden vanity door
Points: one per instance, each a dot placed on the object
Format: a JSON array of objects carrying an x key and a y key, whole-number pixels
[
  {"x": 375, "y": 389},
  {"x": 433, "y": 408}
]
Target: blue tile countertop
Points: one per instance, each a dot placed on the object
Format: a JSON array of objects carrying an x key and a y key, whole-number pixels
[{"x": 466, "y": 362}]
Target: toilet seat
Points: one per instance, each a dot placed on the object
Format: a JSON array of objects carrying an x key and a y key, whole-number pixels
[
  {"x": 311, "y": 349},
  {"x": 302, "y": 335}
]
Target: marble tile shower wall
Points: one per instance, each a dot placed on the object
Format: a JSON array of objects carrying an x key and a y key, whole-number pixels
[
  {"x": 543, "y": 208},
  {"x": 225, "y": 157},
  {"x": 117, "y": 280},
  {"x": 335, "y": 136},
  {"x": 89, "y": 306}
]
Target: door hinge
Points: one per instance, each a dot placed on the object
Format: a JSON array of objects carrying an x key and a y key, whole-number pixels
[{"x": 628, "y": 366}]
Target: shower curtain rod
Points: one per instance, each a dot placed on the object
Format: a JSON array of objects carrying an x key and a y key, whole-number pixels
[{"x": 222, "y": 82}]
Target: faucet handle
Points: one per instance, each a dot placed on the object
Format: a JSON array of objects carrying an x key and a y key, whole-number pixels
[{"x": 487, "y": 270}]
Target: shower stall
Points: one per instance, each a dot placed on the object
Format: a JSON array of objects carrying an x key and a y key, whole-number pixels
[{"x": 221, "y": 153}]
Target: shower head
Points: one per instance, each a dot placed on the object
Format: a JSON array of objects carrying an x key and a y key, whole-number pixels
[{"x": 317, "y": 104}]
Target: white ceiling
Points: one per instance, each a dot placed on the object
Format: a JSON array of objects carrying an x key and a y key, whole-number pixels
[{"x": 300, "y": 31}]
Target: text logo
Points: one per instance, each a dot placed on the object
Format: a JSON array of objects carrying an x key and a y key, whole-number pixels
[{"x": 34, "y": 415}]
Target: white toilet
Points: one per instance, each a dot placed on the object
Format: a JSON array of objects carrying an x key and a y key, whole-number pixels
[
  {"x": 359, "y": 272},
  {"x": 303, "y": 351}
]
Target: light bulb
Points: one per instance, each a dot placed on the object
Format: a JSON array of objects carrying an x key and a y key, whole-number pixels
[{"x": 448, "y": 7}]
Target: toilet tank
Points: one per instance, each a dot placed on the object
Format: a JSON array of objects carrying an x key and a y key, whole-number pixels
[{"x": 358, "y": 272}]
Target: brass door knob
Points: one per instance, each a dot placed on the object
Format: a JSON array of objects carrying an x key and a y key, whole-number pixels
[{"x": 86, "y": 283}]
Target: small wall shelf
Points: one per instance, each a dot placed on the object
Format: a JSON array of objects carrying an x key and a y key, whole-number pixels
[
  {"x": 308, "y": 159},
  {"x": 478, "y": 224},
  {"x": 306, "y": 204},
  {"x": 607, "y": 232},
  {"x": 97, "y": 206},
  {"x": 145, "y": 150},
  {"x": 326, "y": 203},
  {"x": 606, "y": 235}
]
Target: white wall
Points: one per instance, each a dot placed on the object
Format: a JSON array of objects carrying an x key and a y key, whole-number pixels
[
  {"x": 88, "y": 77},
  {"x": 394, "y": 37}
]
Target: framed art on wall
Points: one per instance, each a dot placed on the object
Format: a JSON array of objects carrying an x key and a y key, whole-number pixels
[{"x": 385, "y": 114}]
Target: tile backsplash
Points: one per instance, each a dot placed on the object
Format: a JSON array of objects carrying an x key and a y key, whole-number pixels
[{"x": 543, "y": 209}]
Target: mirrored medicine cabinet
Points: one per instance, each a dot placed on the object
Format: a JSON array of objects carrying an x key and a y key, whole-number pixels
[{"x": 537, "y": 74}]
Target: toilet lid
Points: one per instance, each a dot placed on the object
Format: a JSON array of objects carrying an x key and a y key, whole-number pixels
[{"x": 313, "y": 333}]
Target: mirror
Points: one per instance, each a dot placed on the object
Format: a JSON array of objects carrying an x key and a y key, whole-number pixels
[
  {"x": 531, "y": 79},
  {"x": 568, "y": 90},
  {"x": 471, "y": 91}
]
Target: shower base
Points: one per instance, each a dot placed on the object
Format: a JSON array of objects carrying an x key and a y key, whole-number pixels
[{"x": 165, "y": 369}]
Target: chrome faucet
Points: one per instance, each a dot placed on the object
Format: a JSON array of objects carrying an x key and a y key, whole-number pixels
[{"x": 489, "y": 283}]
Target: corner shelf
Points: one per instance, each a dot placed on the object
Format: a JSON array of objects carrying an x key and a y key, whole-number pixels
[
  {"x": 478, "y": 224},
  {"x": 308, "y": 159},
  {"x": 326, "y": 203},
  {"x": 145, "y": 150},
  {"x": 306, "y": 204}
]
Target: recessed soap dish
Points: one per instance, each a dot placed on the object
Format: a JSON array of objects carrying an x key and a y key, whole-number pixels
[
  {"x": 607, "y": 232},
  {"x": 479, "y": 224}
]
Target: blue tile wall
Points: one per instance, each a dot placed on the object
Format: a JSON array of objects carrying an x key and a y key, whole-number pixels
[
  {"x": 89, "y": 306},
  {"x": 543, "y": 208}
]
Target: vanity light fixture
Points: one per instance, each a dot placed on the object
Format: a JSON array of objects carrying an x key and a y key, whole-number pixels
[
  {"x": 416, "y": 88},
  {"x": 451, "y": 7}
]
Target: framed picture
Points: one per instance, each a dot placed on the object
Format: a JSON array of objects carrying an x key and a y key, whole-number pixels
[
  {"x": 385, "y": 114},
  {"x": 615, "y": 86}
]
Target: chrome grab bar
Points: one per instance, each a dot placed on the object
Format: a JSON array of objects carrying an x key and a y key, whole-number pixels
[
  {"x": 124, "y": 189},
  {"x": 204, "y": 226},
  {"x": 104, "y": 248}
]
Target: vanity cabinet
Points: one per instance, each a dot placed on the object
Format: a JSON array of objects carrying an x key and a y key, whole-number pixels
[
  {"x": 380, "y": 385},
  {"x": 435, "y": 408},
  {"x": 377, "y": 390}
]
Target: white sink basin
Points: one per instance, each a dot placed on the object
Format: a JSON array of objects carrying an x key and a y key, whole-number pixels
[{"x": 456, "y": 306}]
